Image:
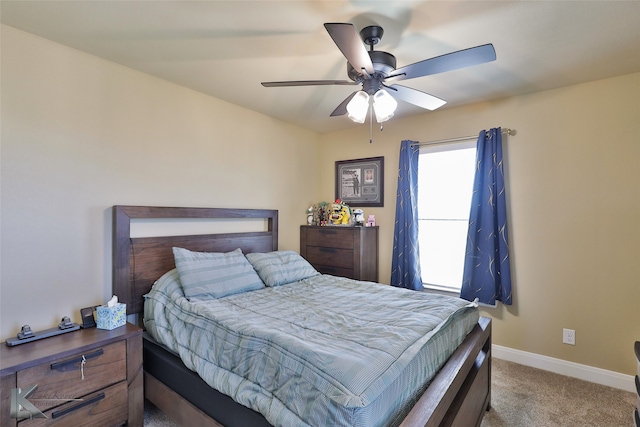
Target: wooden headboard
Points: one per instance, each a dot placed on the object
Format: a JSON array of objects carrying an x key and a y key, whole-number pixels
[{"x": 138, "y": 262}]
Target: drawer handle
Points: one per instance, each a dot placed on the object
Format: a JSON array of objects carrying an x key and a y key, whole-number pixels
[
  {"x": 82, "y": 404},
  {"x": 330, "y": 250},
  {"x": 60, "y": 365}
]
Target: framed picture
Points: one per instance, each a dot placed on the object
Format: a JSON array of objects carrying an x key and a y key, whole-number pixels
[{"x": 360, "y": 182}]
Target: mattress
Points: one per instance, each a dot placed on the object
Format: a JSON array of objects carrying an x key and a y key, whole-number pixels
[
  {"x": 166, "y": 367},
  {"x": 321, "y": 351}
]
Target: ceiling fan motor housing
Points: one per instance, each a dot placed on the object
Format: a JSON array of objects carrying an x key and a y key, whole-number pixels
[{"x": 383, "y": 64}]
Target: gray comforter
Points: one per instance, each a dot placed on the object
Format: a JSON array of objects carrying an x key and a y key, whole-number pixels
[{"x": 324, "y": 351}]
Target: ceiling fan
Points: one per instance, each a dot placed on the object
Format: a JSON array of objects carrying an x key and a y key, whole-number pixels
[{"x": 376, "y": 71}]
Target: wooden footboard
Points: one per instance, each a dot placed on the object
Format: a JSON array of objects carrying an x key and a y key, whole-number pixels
[{"x": 461, "y": 392}]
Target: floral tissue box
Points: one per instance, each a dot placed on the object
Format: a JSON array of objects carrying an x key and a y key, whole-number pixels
[{"x": 111, "y": 317}]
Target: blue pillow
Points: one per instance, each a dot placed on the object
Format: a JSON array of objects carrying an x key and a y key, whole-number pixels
[
  {"x": 281, "y": 267},
  {"x": 215, "y": 274}
]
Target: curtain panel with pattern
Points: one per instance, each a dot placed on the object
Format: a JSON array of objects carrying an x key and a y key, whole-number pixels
[
  {"x": 405, "y": 266},
  {"x": 487, "y": 270}
]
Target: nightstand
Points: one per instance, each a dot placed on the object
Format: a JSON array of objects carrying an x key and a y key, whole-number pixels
[{"x": 100, "y": 370}]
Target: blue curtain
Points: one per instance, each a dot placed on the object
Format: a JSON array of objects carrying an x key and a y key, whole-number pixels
[
  {"x": 487, "y": 272},
  {"x": 405, "y": 267}
]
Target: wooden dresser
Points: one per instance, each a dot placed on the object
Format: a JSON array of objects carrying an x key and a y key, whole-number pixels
[
  {"x": 341, "y": 251},
  {"x": 636, "y": 413},
  {"x": 100, "y": 370}
]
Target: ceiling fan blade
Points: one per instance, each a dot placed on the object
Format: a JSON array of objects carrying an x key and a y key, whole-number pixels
[
  {"x": 341, "y": 109},
  {"x": 449, "y": 62},
  {"x": 416, "y": 97},
  {"x": 348, "y": 40},
  {"x": 309, "y": 83}
]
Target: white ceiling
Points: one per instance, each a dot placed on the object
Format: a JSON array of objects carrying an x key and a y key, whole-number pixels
[{"x": 226, "y": 48}]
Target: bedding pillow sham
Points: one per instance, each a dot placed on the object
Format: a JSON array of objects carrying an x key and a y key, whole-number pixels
[
  {"x": 281, "y": 267},
  {"x": 205, "y": 275}
]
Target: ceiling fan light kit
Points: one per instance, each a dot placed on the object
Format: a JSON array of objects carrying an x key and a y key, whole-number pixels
[
  {"x": 384, "y": 105},
  {"x": 358, "y": 106},
  {"x": 376, "y": 71}
]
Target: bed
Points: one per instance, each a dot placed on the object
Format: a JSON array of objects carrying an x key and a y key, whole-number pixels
[{"x": 458, "y": 394}]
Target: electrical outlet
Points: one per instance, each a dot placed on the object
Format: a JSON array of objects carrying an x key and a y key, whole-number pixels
[{"x": 569, "y": 336}]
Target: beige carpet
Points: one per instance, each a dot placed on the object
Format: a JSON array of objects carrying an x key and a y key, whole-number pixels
[
  {"x": 524, "y": 396},
  {"x": 527, "y": 397}
]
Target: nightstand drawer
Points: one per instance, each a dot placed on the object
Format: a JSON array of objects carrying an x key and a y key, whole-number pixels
[
  {"x": 105, "y": 407},
  {"x": 341, "y": 258},
  {"x": 102, "y": 367}
]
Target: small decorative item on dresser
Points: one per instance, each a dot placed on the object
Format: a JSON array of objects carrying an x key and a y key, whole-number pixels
[
  {"x": 310, "y": 215},
  {"x": 340, "y": 213},
  {"x": 358, "y": 217},
  {"x": 371, "y": 222},
  {"x": 321, "y": 213}
]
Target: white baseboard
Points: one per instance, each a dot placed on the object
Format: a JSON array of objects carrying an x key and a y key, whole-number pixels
[{"x": 563, "y": 367}]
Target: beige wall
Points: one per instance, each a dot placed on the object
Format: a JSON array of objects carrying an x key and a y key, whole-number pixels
[
  {"x": 80, "y": 134},
  {"x": 574, "y": 195}
]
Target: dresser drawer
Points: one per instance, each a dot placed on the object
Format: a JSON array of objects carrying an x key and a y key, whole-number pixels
[
  {"x": 340, "y": 258},
  {"x": 63, "y": 378},
  {"x": 105, "y": 407},
  {"x": 330, "y": 237},
  {"x": 334, "y": 271}
]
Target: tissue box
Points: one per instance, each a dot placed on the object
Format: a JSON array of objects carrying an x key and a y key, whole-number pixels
[{"x": 111, "y": 317}]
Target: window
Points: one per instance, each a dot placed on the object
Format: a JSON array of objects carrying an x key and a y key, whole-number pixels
[{"x": 445, "y": 185}]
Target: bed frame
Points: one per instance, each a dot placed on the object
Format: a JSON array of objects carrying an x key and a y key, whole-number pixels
[{"x": 459, "y": 394}]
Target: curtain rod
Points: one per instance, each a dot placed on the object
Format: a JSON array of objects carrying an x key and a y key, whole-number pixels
[{"x": 505, "y": 131}]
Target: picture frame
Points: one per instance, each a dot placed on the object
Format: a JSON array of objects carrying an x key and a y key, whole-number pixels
[{"x": 360, "y": 182}]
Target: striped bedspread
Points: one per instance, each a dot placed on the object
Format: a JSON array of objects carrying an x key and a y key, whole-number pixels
[{"x": 324, "y": 351}]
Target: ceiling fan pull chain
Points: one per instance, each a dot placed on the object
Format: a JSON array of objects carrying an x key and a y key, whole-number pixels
[{"x": 370, "y": 123}]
